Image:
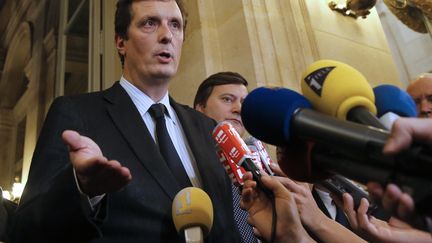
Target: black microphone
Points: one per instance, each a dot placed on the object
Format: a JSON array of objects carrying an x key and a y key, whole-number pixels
[{"x": 278, "y": 116}]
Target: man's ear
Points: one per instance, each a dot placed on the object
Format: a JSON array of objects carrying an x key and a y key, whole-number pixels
[
  {"x": 120, "y": 44},
  {"x": 200, "y": 108}
]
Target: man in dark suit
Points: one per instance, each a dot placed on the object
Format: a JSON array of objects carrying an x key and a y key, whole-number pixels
[
  {"x": 110, "y": 179},
  {"x": 220, "y": 97}
]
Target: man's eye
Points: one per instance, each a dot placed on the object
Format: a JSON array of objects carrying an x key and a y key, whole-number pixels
[
  {"x": 175, "y": 25},
  {"x": 149, "y": 23},
  {"x": 429, "y": 98},
  {"x": 226, "y": 99}
]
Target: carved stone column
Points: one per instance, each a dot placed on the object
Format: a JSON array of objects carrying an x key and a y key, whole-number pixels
[{"x": 7, "y": 142}]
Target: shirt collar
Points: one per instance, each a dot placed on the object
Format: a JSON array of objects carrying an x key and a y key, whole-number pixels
[
  {"x": 143, "y": 101},
  {"x": 325, "y": 196}
]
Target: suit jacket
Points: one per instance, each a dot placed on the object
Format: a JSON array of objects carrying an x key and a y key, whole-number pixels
[{"x": 52, "y": 209}]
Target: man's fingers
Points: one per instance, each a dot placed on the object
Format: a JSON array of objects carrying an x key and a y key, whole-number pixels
[
  {"x": 391, "y": 197},
  {"x": 277, "y": 170},
  {"x": 104, "y": 177},
  {"x": 348, "y": 207},
  {"x": 290, "y": 184},
  {"x": 406, "y": 207},
  {"x": 72, "y": 139},
  {"x": 375, "y": 191},
  {"x": 405, "y": 130}
]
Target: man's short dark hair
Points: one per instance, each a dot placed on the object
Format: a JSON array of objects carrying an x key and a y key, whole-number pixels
[
  {"x": 123, "y": 18},
  {"x": 206, "y": 87}
]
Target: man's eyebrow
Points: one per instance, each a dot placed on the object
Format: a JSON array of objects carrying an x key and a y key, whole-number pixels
[{"x": 229, "y": 94}]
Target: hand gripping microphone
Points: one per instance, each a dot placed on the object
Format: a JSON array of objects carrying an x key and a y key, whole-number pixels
[
  {"x": 391, "y": 103},
  {"x": 192, "y": 212},
  {"x": 230, "y": 142},
  {"x": 339, "y": 90},
  {"x": 278, "y": 116},
  {"x": 257, "y": 146}
]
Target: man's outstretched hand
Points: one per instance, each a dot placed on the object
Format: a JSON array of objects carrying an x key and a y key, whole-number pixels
[{"x": 96, "y": 174}]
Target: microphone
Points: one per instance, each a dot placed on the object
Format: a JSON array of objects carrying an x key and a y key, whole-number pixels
[
  {"x": 280, "y": 113},
  {"x": 348, "y": 148},
  {"x": 339, "y": 90},
  {"x": 338, "y": 185},
  {"x": 192, "y": 212},
  {"x": 391, "y": 103},
  {"x": 257, "y": 146},
  {"x": 230, "y": 142},
  {"x": 234, "y": 171}
]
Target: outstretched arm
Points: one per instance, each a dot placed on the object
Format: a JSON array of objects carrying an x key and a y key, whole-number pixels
[
  {"x": 95, "y": 173},
  {"x": 376, "y": 230}
]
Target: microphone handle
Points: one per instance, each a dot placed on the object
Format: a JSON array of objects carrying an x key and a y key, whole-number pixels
[
  {"x": 339, "y": 185},
  {"x": 194, "y": 235},
  {"x": 361, "y": 115},
  {"x": 249, "y": 165},
  {"x": 420, "y": 188},
  {"x": 360, "y": 143}
]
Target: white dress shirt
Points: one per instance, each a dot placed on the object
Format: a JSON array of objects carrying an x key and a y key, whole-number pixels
[
  {"x": 175, "y": 130},
  {"x": 328, "y": 202}
]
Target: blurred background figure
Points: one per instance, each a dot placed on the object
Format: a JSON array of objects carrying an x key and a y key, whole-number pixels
[{"x": 420, "y": 90}]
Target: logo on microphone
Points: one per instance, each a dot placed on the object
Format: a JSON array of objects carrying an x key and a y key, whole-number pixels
[
  {"x": 183, "y": 204},
  {"x": 316, "y": 79}
]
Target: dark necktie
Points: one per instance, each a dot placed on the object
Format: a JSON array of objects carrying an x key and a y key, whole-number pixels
[
  {"x": 341, "y": 218},
  {"x": 240, "y": 217},
  {"x": 166, "y": 147}
]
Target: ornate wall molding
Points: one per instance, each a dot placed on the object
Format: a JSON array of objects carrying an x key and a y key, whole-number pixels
[
  {"x": 18, "y": 56},
  {"x": 282, "y": 40},
  {"x": 19, "y": 9}
]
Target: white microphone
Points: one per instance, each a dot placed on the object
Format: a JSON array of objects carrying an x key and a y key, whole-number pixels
[{"x": 256, "y": 146}]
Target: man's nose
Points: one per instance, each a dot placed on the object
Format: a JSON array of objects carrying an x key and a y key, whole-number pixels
[
  {"x": 236, "y": 108},
  {"x": 165, "y": 34},
  {"x": 425, "y": 108}
]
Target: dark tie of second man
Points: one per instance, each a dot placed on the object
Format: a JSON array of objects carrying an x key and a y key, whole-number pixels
[
  {"x": 341, "y": 218},
  {"x": 166, "y": 146}
]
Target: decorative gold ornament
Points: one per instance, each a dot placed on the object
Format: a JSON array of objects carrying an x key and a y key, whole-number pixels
[
  {"x": 411, "y": 12},
  {"x": 353, "y": 8}
]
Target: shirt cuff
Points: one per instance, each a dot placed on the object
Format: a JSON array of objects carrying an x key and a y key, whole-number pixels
[{"x": 94, "y": 201}]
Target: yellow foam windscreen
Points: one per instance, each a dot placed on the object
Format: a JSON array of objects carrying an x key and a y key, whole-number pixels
[
  {"x": 192, "y": 207},
  {"x": 334, "y": 88}
]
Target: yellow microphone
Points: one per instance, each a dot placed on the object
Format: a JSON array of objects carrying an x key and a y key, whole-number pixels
[
  {"x": 192, "y": 212},
  {"x": 339, "y": 90}
]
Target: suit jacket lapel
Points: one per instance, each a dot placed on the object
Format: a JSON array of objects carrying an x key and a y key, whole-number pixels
[
  {"x": 128, "y": 120},
  {"x": 320, "y": 203},
  {"x": 196, "y": 139}
]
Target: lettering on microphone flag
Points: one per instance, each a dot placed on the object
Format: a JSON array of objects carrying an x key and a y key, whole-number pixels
[
  {"x": 234, "y": 171},
  {"x": 316, "y": 79}
]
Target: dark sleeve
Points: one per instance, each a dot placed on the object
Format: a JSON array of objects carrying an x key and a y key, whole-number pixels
[{"x": 51, "y": 208}]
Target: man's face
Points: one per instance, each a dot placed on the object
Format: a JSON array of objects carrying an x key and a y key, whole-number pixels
[
  {"x": 155, "y": 37},
  {"x": 421, "y": 92},
  {"x": 224, "y": 104}
]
